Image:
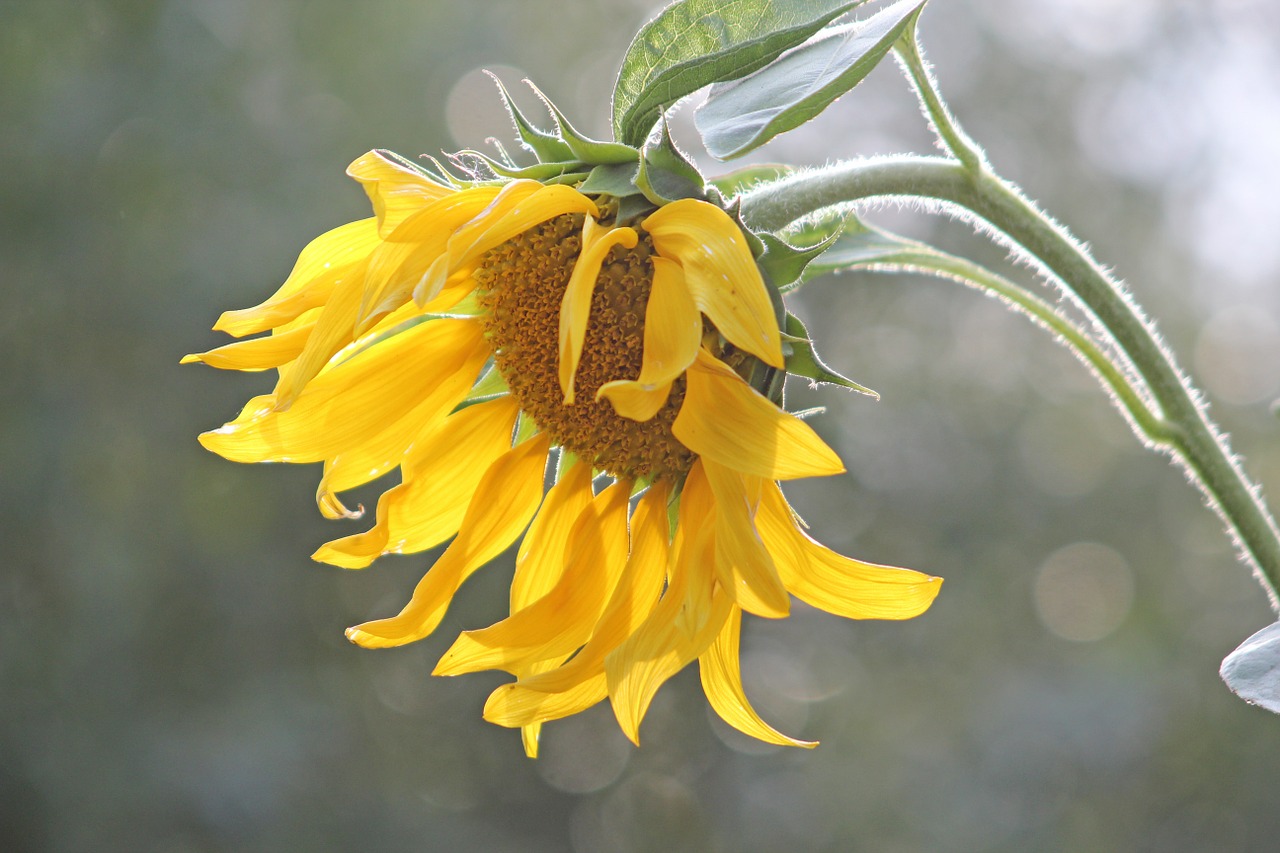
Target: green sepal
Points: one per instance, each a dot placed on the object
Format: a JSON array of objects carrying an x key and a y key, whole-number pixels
[
  {"x": 584, "y": 148},
  {"x": 785, "y": 263},
  {"x": 547, "y": 147},
  {"x": 665, "y": 173},
  {"x": 439, "y": 173},
  {"x": 861, "y": 246},
  {"x": 490, "y": 386},
  {"x": 614, "y": 179},
  {"x": 754, "y": 243},
  {"x": 634, "y": 207},
  {"x": 542, "y": 172},
  {"x": 525, "y": 428},
  {"x": 803, "y": 360}
]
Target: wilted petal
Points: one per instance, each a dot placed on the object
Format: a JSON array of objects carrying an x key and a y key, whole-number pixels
[
  {"x": 395, "y": 189},
  {"x": 682, "y": 626},
  {"x": 441, "y": 474},
  {"x": 563, "y": 619},
  {"x": 580, "y": 683},
  {"x": 503, "y": 504},
  {"x": 837, "y": 584},
  {"x": 722, "y": 682},
  {"x": 720, "y": 272},
  {"x": 261, "y": 353},
  {"x": 324, "y": 264},
  {"x": 742, "y": 563},
  {"x": 544, "y": 551},
  {"x": 726, "y": 420},
  {"x": 672, "y": 334},
  {"x": 358, "y": 398},
  {"x": 575, "y": 309}
]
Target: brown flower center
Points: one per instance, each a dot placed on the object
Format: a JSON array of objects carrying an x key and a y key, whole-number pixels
[{"x": 521, "y": 285}]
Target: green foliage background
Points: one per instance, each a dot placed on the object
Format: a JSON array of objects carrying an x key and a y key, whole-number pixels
[{"x": 173, "y": 675}]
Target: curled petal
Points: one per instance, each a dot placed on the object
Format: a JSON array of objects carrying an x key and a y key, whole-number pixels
[
  {"x": 325, "y": 262},
  {"x": 721, "y": 273},
  {"x": 414, "y": 252},
  {"x": 685, "y": 622},
  {"x": 441, "y": 473},
  {"x": 743, "y": 564},
  {"x": 726, "y": 420},
  {"x": 672, "y": 333},
  {"x": 530, "y": 204},
  {"x": 261, "y": 353},
  {"x": 358, "y": 398},
  {"x": 580, "y": 683},
  {"x": 504, "y": 502},
  {"x": 563, "y": 619},
  {"x": 721, "y": 676},
  {"x": 837, "y": 584},
  {"x": 575, "y": 308},
  {"x": 394, "y": 189}
]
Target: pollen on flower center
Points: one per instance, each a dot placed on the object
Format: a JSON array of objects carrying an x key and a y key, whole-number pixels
[{"x": 521, "y": 286}]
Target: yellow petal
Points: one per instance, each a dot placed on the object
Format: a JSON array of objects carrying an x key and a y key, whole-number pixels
[
  {"x": 575, "y": 307},
  {"x": 563, "y": 619},
  {"x": 722, "y": 682},
  {"x": 505, "y": 501},
  {"x": 441, "y": 474},
  {"x": 682, "y": 626},
  {"x": 672, "y": 333},
  {"x": 543, "y": 553},
  {"x": 846, "y": 587},
  {"x": 580, "y": 683},
  {"x": 257, "y": 354},
  {"x": 357, "y": 399},
  {"x": 524, "y": 205},
  {"x": 334, "y": 329},
  {"x": 395, "y": 190},
  {"x": 413, "y": 250},
  {"x": 726, "y": 420},
  {"x": 515, "y": 704},
  {"x": 323, "y": 265},
  {"x": 634, "y": 400},
  {"x": 743, "y": 563},
  {"x": 720, "y": 272}
]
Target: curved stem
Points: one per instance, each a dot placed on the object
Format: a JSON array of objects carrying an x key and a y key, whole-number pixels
[
  {"x": 1154, "y": 429},
  {"x": 948, "y": 130},
  {"x": 1193, "y": 439}
]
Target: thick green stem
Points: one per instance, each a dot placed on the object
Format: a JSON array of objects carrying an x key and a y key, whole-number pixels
[{"x": 1193, "y": 439}]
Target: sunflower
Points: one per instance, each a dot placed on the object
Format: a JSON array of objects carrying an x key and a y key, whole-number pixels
[{"x": 474, "y": 334}]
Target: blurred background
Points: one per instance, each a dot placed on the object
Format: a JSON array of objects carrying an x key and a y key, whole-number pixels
[{"x": 173, "y": 675}]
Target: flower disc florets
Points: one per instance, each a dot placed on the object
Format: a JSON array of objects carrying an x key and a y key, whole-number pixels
[{"x": 522, "y": 285}]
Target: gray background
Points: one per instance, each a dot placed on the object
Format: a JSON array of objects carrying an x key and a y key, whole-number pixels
[{"x": 173, "y": 675}]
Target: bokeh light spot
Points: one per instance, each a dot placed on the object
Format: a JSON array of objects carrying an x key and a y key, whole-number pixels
[{"x": 1083, "y": 592}]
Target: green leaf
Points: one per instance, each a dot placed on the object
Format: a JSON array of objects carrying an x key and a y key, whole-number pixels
[
  {"x": 665, "y": 173},
  {"x": 803, "y": 359},
  {"x": 744, "y": 114},
  {"x": 693, "y": 43},
  {"x": 1253, "y": 670}
]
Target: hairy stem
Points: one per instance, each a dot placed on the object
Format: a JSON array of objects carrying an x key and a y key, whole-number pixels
[{"x": 1192, "y": 438}]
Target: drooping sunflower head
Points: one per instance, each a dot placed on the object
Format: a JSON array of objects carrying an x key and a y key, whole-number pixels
[{"x": 601, "y": 312}]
